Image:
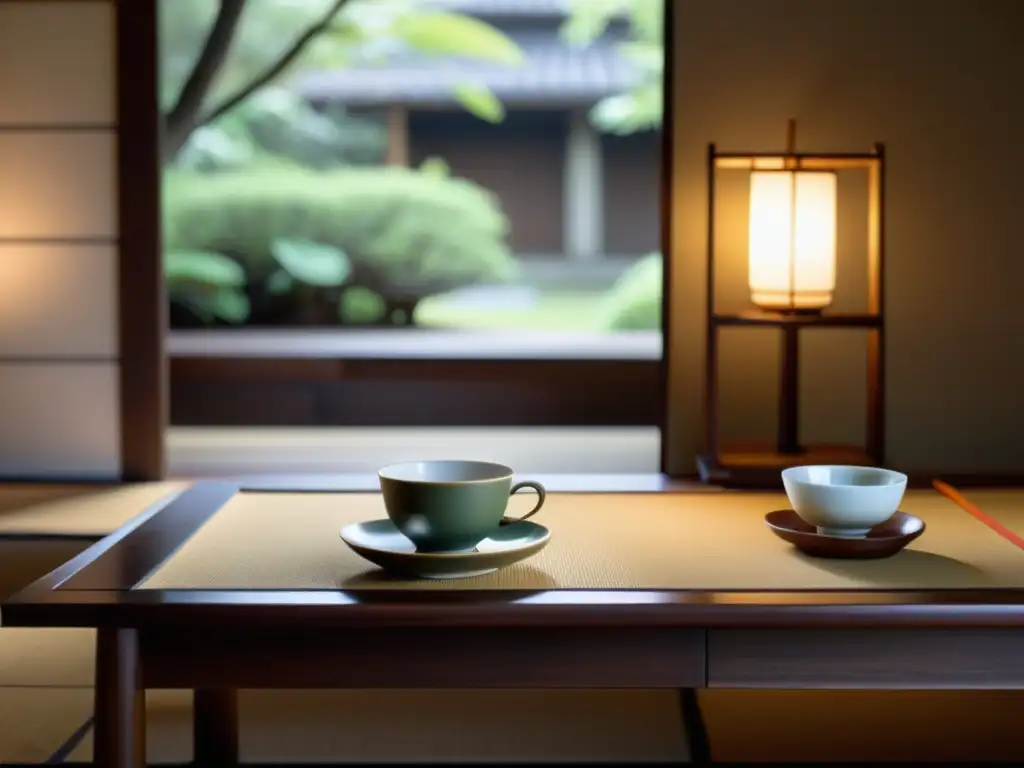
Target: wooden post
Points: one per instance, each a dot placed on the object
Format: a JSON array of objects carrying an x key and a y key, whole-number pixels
[{"x": 398, "y": 136}]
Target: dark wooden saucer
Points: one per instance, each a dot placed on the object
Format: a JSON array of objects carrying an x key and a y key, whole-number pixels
[{"x": 883, "y": 540}]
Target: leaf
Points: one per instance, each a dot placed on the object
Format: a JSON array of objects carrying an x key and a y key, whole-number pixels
[
  {"x": 640, "y": 110},
  {"x": 647, "y": 20},
  {"x": 231, "y": 305},
  {"x": 436, "y": 167},
  {"x": 588, "y": 20},
  {"x": 614, "y": 113},
  {"x": 346, "y": 31},
  {"x": 480, "y": 101},
  {"x": 227, "y": 304},
  {"x": 280, "y": 282},
  {"x": 361, "y": 306},
  {"x": 213, "y": 145},
  {"x": 312, "y": 263},
  {"x": 456, "y": 34},
  {"x": 203, "y": 267},
  {"x": 648, "y": 57}
]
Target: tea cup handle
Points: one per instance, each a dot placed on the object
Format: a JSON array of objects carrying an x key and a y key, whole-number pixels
[{"x": 541, "y": 496}]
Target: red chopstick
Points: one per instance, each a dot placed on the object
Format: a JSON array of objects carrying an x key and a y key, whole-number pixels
[{"x": 958, "y": 498}]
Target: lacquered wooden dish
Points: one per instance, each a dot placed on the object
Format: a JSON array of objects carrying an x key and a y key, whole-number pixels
[{"x": 883, "y": 540}]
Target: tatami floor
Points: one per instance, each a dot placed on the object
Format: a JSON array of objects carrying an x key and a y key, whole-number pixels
[
  {"x": 38, "y": 721},
  {"x": 46, "y": 699}
]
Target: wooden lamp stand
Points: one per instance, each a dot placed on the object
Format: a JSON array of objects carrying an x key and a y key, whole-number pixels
[{"x": 759, "y": 466}]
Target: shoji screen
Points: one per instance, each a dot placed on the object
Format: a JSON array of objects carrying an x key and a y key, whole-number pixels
[{"x": 59, "y": 364}]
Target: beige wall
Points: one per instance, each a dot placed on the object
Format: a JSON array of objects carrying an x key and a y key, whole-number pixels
[
  {"x": 58, "y": 241},
  {"x": 940, "y": 83}
]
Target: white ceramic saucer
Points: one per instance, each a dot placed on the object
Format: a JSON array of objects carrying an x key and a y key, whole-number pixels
[{"x": 380, "y": 542}]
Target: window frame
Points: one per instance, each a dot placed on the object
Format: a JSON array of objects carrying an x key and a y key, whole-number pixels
[
  {"x": 159, "y": 389},
  {"x": 142, "y": 295}
]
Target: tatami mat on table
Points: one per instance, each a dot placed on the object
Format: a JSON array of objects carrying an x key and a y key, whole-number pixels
[
  {"x": 430, "y": 726},
  {"x": 78, "y": 510},
  {"x": 1004, "y": 505},
  {"x": 36, "y": 722},
  {"x": 631, "y": 726},
  {"x": 605, "y": 541}
]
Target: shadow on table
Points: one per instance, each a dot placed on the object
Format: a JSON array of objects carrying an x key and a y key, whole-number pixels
[
  {"x": 910, "y": 568},
  {"x": 518, "y": 581}
]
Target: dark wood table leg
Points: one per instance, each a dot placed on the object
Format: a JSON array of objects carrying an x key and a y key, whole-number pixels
[
  {"x": 215, "y": 726},
  {"x": 119, "y": 739},
  {"x": 697, "y": 743}
]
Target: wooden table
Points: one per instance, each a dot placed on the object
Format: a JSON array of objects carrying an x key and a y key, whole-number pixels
[{"x": 229, "y": 587}]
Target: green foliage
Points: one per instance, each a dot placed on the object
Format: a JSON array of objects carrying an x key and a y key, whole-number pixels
[
  {"x": 272, "y": 119},
  {"x": 480, "y": 101},
  {"x": 186, "y": 269},
  {"x": 361, "y": 306},
  {"x": 209, "y": 284},
  {"x": 274, "y": 123},
  {"x": 184, "y": 25},
  {"x": 634, "y": 303},
  {"x": 398, "y": 232},
  {"x": 436, "y": 166},
  {"x": 311, "y": 263},
  {"x": 455, "y": 34},
  {"x": 642, "y": 107}
]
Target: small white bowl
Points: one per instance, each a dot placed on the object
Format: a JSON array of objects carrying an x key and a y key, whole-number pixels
[{"x": 846, "y": 501}]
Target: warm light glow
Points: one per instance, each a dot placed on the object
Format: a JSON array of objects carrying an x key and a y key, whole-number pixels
[
  {"x": 25, "y": 285},
  {"x": 792, "y": 248}
]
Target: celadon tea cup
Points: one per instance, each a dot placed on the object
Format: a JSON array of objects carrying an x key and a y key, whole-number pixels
[
  {"x": 844, "y": 501},
  {"x": 450, "y": 506}
]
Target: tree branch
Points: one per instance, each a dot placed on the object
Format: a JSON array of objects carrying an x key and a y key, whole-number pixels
[
  {"x": 277, "y": 67},
  {"x": 183, "y": 117}
]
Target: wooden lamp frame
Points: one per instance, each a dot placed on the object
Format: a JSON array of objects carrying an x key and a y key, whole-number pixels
[{"x": 755, "y": 466}]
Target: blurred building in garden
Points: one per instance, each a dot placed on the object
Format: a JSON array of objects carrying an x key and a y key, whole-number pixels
[{"x": 581, "y": 204}]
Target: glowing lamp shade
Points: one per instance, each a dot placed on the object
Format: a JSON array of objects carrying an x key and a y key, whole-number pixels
[{"x": 792, "y": 247}]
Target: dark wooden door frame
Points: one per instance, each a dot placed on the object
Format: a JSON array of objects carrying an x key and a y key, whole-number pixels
[
  {"x": 142, "y": 303},
  {"x": 143, "y": 312}
]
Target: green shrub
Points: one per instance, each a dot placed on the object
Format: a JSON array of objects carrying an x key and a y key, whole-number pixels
[
  {"x": 361, "y": 306},
  {"x": 207, "y": 284},
  {"x": 634, "y": 302},
  {"x": 406, "y": 234}
]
